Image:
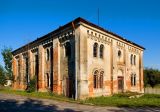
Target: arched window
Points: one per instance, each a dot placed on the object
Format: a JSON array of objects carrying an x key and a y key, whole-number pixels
[
  {"x": 119, "y": 53},
  {"x": 47, "y": 55},
  {"x": 101, "y": 79},
  {"x": 101, "y": 51},
  {"x": 95, "y": 79},
  {"x": 95, "y": 49},
  {"x": 68, "y": 50},
  {"x": 131, "y": 59},
  {"x": 134, "y": 59}
]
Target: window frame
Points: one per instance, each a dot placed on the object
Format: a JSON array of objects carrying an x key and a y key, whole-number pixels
[
  {"x": 47, "y": 54},
  {"x": 95, "y": 79},
  {"x": 134, "y": 60},
  {"x": 101, "y": 79},
  {"x": 101, "y": 51},
  {"x": 119, "y": 53},
  {"x": 95, "y": 49}
]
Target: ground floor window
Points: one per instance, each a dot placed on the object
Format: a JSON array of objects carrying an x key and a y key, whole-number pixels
[
  {"x": 133, "y": 79},
  {"x": 98, "y": 79},
  {"x": 95, "y": 79}
]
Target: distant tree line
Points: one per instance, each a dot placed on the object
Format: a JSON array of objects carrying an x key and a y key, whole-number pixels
[{"x": 151, "y": 77}]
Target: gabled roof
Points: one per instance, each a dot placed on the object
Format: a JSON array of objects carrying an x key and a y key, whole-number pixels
[{"x": 77, "y": 20}]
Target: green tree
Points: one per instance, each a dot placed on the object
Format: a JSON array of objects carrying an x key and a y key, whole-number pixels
[
  {"x": 2, "y": 76},
  {"x": 7, "y": 58},
  {"x": 151, "y": 77}
]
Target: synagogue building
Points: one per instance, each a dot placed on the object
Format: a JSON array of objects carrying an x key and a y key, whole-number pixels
[{"x": 80, "y": 60}]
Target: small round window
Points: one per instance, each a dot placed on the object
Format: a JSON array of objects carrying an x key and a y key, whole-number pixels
[{"x": 119, "y": 53}]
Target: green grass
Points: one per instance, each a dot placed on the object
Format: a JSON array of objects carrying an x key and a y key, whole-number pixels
[
  {"x": 120, "y": 100},
  {"x": 44, "y": 95},
  {"x": 149, "y": 100}
]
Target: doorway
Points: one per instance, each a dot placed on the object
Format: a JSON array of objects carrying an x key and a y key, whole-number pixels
[
  {"x": 120, "y": 83},
  {"x": 70, "y": 70}
]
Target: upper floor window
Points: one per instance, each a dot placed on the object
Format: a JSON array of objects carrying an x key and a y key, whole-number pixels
[
  {"x": 101, "y": 51},
  {"x": 68, "y": 49},
  {"x": 47, "y": 55},
  {"x": 119, "y": 53},
  {"x": 134, "y": 59},
  {"x": 131, "y": 59},
  {"x": 95, "y": 49}
]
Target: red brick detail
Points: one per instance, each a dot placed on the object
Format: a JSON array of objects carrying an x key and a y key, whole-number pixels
[
  {"x": 14, "y": 72},
  {"x": 90, "y": 86},
  {"x": 128, "y": 84},
  {"x": 107, "y": 83},
  {"x": 55, "y": 69},
  {"x": 60, "y": 88},
  {"x": 40, "y": 86},
  {"x": 115, "y": 85}
]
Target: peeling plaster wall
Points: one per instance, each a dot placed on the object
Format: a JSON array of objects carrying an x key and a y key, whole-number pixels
[{"x": 82, "y": 64}]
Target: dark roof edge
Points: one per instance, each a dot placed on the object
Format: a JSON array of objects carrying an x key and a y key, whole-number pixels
[
  {"x": 79, "y": 19},
  {"x": 52, "y": 32}
]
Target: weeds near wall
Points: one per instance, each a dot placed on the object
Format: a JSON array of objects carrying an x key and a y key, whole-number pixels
[{"x": 31, "y": 87}]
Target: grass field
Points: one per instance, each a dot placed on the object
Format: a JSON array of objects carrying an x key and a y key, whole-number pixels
[
  {"x": 45, "y": 95},
  {"x": 120, "y": 100},
  {"x": 149, "y": 100}
]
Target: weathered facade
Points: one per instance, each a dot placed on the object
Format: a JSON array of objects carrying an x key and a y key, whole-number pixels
[{"x": 79, "y": 60}]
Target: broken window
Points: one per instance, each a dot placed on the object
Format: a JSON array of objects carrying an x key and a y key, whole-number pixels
[{"x": 68, "y": 50}]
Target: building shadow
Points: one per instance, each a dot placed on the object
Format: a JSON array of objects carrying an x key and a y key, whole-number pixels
[{"x": 29, "y": 105}]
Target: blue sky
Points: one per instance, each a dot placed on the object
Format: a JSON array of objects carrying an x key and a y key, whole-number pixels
[{"x": 22, "y": 21}]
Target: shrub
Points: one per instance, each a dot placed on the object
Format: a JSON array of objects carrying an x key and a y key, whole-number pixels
[
  {"x": 2, "y": 76},
  {"x": 31, "y": 87}
]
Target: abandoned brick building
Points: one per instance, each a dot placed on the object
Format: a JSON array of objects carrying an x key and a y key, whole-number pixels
[{"x": 79, "y": 60}]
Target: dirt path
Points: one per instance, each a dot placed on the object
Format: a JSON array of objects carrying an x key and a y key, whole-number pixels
[{"x": 16, "y": 103}]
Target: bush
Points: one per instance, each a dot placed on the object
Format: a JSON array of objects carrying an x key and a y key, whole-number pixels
[
  {"x": 31, "y": 87},
  {"x": 2, "y": 76}
]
